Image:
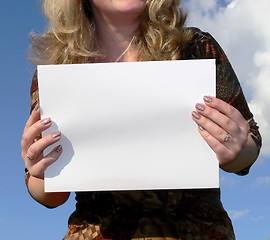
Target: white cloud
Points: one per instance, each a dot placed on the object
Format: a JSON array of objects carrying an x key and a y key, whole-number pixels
[
  {"x": 226, "y": 181},
  {"x": 242, "y": 29},
  {"x": 258, "y": 218},
  {"x": 263, "y": 181},
  {"x": 237, "y": 214},
  {"x": 204, "y": 7},
  {"x": 232, "y": 4}
]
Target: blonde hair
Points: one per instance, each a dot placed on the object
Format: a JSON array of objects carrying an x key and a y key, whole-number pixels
[{"x": 70, "y": 34}]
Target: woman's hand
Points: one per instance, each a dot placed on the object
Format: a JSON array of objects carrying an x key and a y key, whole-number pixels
[
  {"x": 36, "y": 162},
  {"x": 223, "y": 127},
  {"x": 32, "y": 147}
]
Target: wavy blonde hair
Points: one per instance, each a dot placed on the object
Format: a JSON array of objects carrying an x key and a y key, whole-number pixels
[{"x": 70, "y": 34}]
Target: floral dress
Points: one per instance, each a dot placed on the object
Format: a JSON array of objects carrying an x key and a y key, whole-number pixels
[{"x": 195, "y": 214}]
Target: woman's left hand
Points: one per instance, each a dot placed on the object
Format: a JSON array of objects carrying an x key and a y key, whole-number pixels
[{"x": 223, "y": 127}]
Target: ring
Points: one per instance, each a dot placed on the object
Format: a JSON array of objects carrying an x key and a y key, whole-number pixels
[
  {"x": 227, "y": 138},
  {"x": 29, "y": 157}
]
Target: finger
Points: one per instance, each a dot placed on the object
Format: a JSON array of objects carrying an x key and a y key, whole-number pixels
[
  {"x": 34, "y": 117},
  {"x": 224, "y": 145},
  {"x": 35, "y": 129},
  {"x": 37, "y": 148},
  {"x": 228, "y": 110},
  {"x": 38, "y": 169},
  {"x": 212, "y": 128},
  {"x": 222, "y": 125},
  {"x": 223, "y": 153}
]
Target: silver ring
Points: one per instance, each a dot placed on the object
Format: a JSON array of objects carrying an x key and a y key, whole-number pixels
[
  {"x": 31, "y": 159},
  {"x": 227, "y": 138}
]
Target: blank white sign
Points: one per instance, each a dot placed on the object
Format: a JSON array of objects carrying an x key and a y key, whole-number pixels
[{"x": 128, "y": 126}]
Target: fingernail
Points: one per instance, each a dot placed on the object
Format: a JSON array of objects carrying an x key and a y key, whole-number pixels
[
  {"x": 59, "y": 148},
  {"x": 196, "y": 115},
  {"x": 55, "y": 135},
  {"x": 46, "y": 121},
  {"x": 208, "y": 99},
  {"x": 201, "y": 128},
  {"x": 200, "y": 107}
]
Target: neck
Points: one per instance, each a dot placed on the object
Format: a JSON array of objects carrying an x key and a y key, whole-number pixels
[{"x": 114, "y": 37}]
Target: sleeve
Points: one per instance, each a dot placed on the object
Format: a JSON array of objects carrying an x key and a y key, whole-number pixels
[
  {"x": 34, "y": 97},
  {"x": 228, "y": 87}
]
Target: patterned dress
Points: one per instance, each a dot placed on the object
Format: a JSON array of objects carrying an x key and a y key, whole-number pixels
[{"x": 164, "y": 214}]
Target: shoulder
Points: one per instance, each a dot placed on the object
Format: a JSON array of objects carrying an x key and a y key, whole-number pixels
[
  {"x": 197, "y": 34},
  {"x": 202, "y": 45}
]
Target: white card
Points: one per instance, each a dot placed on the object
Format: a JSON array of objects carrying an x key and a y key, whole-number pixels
[{"x": 128, "y": 126}]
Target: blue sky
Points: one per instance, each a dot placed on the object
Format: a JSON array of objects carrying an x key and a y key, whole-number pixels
[{"x": 246, "y": 198}]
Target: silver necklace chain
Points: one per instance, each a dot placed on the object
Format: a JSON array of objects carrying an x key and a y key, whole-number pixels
[{"x": 125, "y": 51}]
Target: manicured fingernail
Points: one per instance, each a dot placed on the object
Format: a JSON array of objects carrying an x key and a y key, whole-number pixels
[
  {"x": 55, "y": 135},
  {"x": 59, "y": 148},
  {"x": 201, "y": 128},
  {"x": 46, "y": 121},
  {"x": 200, "y": 107},
  {"x": 196, "y": 115},
  {"x": 208, "y": 99}
]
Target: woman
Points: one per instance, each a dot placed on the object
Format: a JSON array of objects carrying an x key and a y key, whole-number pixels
[{"x": 89, "y": 31}]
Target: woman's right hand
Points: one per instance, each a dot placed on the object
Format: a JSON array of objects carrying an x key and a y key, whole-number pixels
[{"x": 32, "y": 146}]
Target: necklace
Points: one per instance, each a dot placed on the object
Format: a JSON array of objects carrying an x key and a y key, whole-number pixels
[{"x": 125, "y": 51}]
